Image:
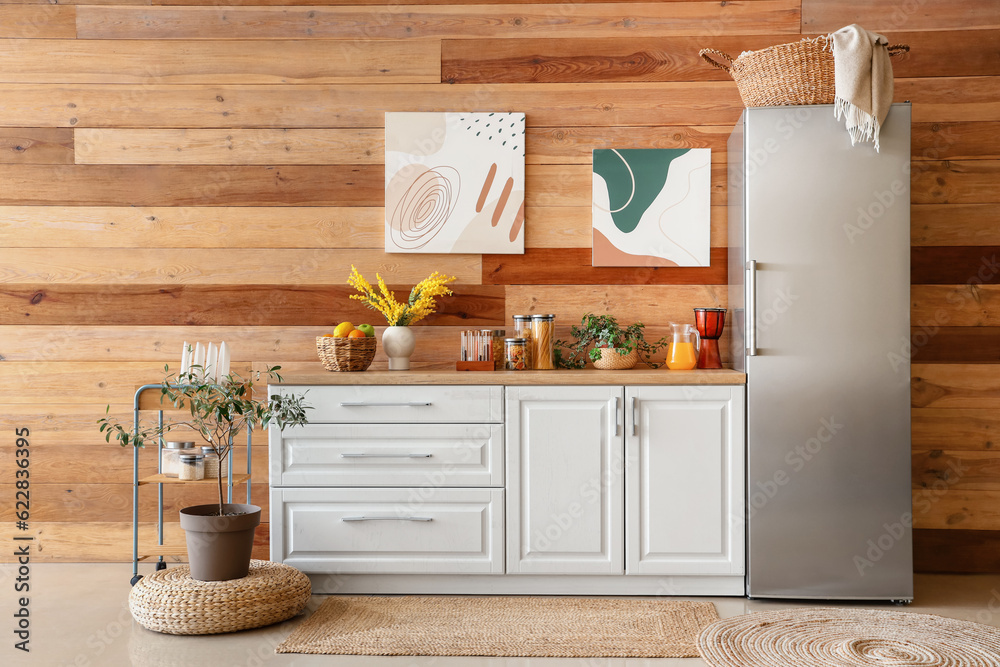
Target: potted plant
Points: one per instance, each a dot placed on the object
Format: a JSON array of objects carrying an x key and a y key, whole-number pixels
[
  {"x": 607, "y": 343},
  {"x": 219, "y": 536}
]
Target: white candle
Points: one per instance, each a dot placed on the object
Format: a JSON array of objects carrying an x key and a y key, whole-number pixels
[
  {"x": 211, "y": 362},
  {"x": 185, "y": 358},
  {"x": 223, "y": 370},
  {"x": 199, "y": 358}
]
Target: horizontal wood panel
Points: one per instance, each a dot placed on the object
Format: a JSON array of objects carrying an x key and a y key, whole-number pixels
[
  {"x": 198, "y": 227},
  {"x": 215, "y": 62},
  {"x": 51, "y": 21},
  {"x": 972, "y": 305},
  {"x": 36, "y": 145},
  {"x": 561, "y": 60},
  {"x": 649, "y": 304},
  {"x": 83, "y": 542},
  {"x": 955, "y": 224},
  {"x": 945, "y": 508},
  {"x": 572, "y": 266},
  {"x": 830, "y": 15},
  {"x": 937, "y": 141},
  {"x": 389, "y": 22},
  {"x": 576, "y": 145},
  {"x": 969, "y": 345},
  {"x": 959, "y": 470},
  {"x": 246, "y": 305},
  {"x": 946, "y": 99},
  {"x": 955, "y": 386},
  {"x": 165, "y": 266},
  {"x": 946, "y": 265},
  {"x": 966, "y": 551},
  {"x": 189, "y": 185},
  {"x": 231, "y": 106},
  {"x": 955, "y": 429},
  {"x": 110, "y": 503},
  {"x": 955, "y": 182}
]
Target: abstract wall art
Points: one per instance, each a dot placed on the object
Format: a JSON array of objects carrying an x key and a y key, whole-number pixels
[
  {"x": 651, "y": 207},
  {"x": 454, "y": 182}
]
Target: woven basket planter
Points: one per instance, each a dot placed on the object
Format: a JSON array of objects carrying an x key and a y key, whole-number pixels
[
  {"x": 784, "y": 74},
  {"x": 611, "y": 360},
  {"x": 346, "y": 354}
]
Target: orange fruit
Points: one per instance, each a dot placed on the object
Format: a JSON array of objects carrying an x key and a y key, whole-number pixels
[
  {"x": 327, "y": 335},
  {"x": 343, "y": 329},
  {"x": 357, "y": 333}
]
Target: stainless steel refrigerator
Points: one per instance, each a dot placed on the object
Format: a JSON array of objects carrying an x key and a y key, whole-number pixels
[{"x": 819, "y": 236}]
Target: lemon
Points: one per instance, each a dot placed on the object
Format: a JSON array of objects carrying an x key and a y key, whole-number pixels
[{"x": 343, "y": 329}]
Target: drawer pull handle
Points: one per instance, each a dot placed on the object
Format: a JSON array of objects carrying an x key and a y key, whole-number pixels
[
  {"x": 387, "y": 518},
  {"x": 362, "y": 404},
  {"x": 362, "y": 455}
]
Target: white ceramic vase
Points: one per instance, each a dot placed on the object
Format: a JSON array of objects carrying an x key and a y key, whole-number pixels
[{"x": 398, "y": 343}]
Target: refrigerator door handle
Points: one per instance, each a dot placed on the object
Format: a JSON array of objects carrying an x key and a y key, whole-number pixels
[{"x": 752, "y": 308}]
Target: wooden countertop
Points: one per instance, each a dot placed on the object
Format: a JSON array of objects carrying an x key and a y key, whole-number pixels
[{"x": 590, "y": 376}]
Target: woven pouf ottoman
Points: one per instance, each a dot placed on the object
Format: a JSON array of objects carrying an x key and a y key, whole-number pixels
[{"x": 170, "y": 601}]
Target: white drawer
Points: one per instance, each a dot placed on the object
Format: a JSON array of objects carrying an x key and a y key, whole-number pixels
[
  {"x": 393, "y": 531},
  {"x": 401, "y": 404},
  {"x": 389, "y": 455}
]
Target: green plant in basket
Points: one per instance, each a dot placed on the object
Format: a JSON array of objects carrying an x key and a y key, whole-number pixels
[{"x": 603, "y": 331}]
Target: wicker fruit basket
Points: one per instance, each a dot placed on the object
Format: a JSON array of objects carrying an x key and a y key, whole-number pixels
[
  {"x": 346, "y": 354},
  {"x": 784, "y": 74},
  {"x": 611, "y": 360}
]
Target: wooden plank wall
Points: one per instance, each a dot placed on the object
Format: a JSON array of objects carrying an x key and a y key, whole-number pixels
[{"x": 171, "y": 171}]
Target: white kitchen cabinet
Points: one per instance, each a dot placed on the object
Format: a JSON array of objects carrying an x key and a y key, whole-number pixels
[
  {"x": 684, "y": 485},
  {"x": 565, "y": 473}
]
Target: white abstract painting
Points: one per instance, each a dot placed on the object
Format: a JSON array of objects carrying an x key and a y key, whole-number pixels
[{"x": 454, "y": 182}]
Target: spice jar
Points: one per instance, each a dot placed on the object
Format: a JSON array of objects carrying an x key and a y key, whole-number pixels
[
  {"x": 542, "y": 342},
  {"x": 211, "y": 462},
  {"x": 192, "y": 467},
  {"x": 515, "y": 354},
  {"x": 169, "y": 453},
  {"x": 498, "y": 353},
  {"x": 522, "y": 329}
]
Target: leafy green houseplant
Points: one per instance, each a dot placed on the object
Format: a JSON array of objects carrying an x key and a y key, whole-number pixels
[
  {"x": 219, "y": 410},
  {"x": 598, "y": 332}
]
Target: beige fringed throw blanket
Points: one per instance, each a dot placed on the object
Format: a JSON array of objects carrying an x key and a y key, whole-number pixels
[{"x": 862, "y": 80}]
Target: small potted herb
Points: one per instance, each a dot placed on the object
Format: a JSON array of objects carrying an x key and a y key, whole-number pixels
[{"x": 611, "y": 346}]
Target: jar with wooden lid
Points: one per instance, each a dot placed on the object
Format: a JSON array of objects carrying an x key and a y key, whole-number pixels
[
  {"x": 211, "y": 462},
  {"x": 516, "y": 354},
  {"x": 191, "y": 467},
  {"x": 498, "y": 360},
  {"x": 543, "y": 342},
  {"x": 522, "y": 329},
  {"x": 169, "y": 453}
]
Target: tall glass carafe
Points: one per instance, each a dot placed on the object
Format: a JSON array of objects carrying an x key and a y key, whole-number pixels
[{"x": 682, "y": 351}]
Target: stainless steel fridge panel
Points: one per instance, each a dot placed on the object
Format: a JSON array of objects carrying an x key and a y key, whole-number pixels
[
  {"x": 828, "y": 392},
  {"x": 737, "y": 245}
]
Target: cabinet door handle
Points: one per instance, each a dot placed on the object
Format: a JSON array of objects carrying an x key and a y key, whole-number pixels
[
  {"x": 618, "y": 421},
  {"x": 363, "y": 404},
  {"x": 364, "y": 455},
  {"x": 387, "y": 518},
  {"x": 633, "y": 414}
]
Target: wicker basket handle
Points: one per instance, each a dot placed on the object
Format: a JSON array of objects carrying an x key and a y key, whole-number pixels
[
  {"x": 896, "y": 49},
  {"x": 704, "y": 53}
]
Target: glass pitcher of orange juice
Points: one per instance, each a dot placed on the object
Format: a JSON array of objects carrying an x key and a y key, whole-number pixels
[{"x": 682, "y": 351}]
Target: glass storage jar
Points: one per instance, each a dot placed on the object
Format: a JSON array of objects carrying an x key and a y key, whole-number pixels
[
  {"x": 169, "y": 453},
  {"x": 542, "y": 342},
  {"x": 498, "y": 361},
  {"x": 192, "y": 467},
  {"x": 211, "y": 462},
  {"x": 515, "y": 354},
  {"x": 522, "y": 329}
]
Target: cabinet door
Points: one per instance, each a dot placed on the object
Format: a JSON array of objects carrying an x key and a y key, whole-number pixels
[
  {"x": 565, "y": 473},
  {"x": 685, "y": 502}
]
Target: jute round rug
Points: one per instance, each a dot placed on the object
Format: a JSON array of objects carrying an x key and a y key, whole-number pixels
[{"x": 848, "y": 638}]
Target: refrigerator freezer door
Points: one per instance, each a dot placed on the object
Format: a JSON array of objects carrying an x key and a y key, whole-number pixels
[{"x": 828, "y": 393}]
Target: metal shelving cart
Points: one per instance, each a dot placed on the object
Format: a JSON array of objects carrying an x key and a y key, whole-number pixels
[{"x": 160, "y": 479}]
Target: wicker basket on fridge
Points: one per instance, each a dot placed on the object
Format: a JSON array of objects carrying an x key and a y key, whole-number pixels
[
  {"x": 346, "y": 354},
  {"x": 785, "y": 74}
]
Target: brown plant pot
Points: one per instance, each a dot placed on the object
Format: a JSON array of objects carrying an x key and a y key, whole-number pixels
[{"x": 219, "y": 547}]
